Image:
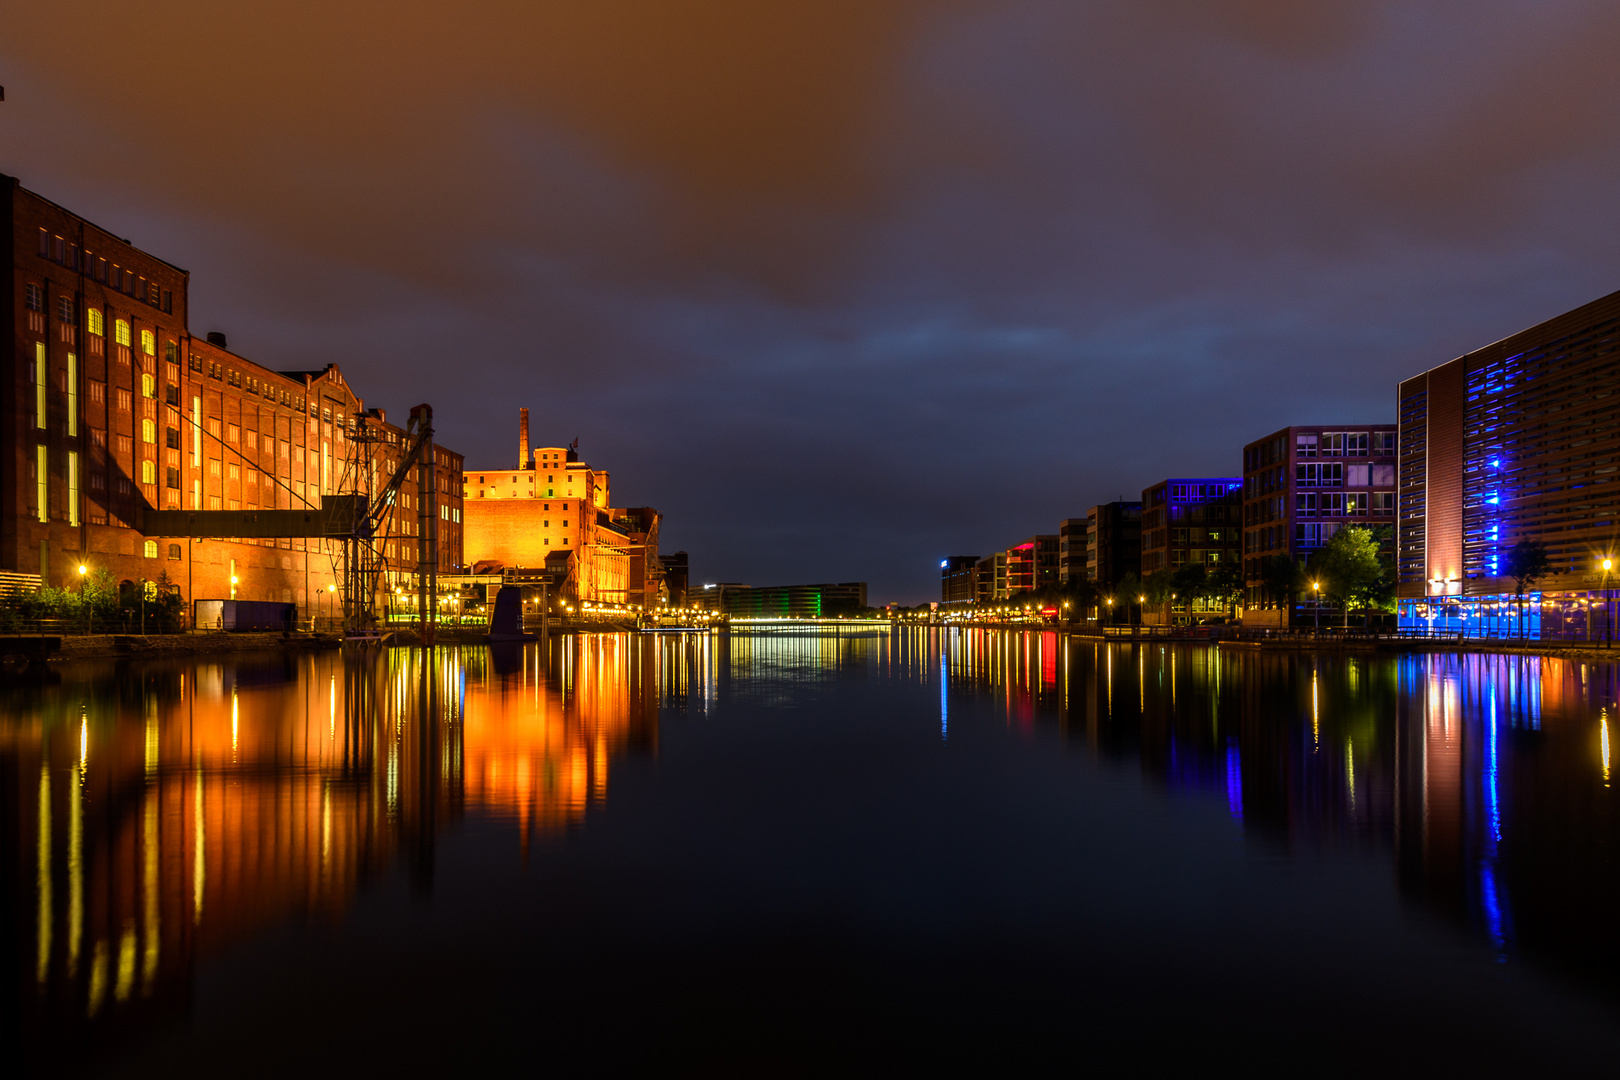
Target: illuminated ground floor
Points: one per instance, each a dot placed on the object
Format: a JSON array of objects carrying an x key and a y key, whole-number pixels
[{"x": 1587, "y": 615}]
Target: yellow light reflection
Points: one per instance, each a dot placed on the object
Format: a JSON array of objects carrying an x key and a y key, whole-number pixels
[
  {"x": 1603, "y": 722},
  {"x": 44, "y": 961}
]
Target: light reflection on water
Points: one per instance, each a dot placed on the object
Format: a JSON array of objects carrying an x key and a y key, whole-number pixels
[{"x": 165, "y": 811}]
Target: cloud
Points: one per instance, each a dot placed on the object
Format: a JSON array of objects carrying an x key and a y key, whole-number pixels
[{"x": 846, "y": 285}]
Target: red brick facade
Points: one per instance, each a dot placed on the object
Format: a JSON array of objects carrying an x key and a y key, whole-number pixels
[{"x": 105, "y": 387}]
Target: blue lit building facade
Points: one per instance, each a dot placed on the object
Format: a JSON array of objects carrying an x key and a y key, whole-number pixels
[{"x": 1520, "y": 439}]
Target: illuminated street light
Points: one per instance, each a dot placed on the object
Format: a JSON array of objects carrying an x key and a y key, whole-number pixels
[{"x": 83, "y": 569}]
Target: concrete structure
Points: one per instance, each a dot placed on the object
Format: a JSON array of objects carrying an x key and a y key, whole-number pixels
[
  {"x": 1514, "y": 441},
  {"x": 110, "y": 407},
  {"x": 1301, "y": 485},
  {"x": 1073, "y": 534},
  {"x": 958, "y": 581},
  {"x": 523, "y": 516}
]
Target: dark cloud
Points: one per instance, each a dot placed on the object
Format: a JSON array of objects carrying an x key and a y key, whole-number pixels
[{"x": 847, "y": 285}]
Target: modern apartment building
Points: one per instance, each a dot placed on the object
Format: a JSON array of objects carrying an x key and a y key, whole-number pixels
[
  {"x": 1193, "y": 521},
  {"x": 958, "y": 581},
  {"x": 1113, "y": 542},
  {"x": 1517, "y": 440},
  {"x": 1032, "y": 564},
  {"x": 1071, "y": 555},
  {"x": 1301, "y": 485},
  {"x": 111, "y": 408}
]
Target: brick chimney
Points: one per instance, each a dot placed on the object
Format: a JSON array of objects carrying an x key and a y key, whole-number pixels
[{"x": 525, "y": 460}]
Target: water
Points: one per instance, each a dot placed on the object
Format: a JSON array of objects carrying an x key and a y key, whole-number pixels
[{"x": 809, "y": 854}]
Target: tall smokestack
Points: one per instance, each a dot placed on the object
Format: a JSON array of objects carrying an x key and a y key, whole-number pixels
[{"x": 524, "y": 457}]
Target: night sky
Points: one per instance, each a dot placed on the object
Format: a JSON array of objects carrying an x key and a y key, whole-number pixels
[{"x": 846, "y": 286}]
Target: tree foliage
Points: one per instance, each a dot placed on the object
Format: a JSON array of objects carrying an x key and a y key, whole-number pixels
[
  {"x": 1354, "y": 570},
  {"x": 1526, "y": 564}
]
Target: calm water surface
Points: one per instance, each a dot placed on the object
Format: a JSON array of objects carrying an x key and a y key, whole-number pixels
[{"x": 766, "y": 855}]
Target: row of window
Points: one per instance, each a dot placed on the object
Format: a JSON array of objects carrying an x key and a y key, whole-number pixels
[
  {"x": 65, "y": 253},
  {"x": 1336, "y": 504},
  {"x": 1345, "y": 444}
]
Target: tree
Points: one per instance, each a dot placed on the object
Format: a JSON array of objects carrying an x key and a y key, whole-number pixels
[
  {"x": 1223, "y": 583},
  {"x": 1351, "y": 568},
  {"x": 1526, "y": 564},
  {"x": 1159, "y": 587},
  {"x": 1126, "y": 591}
]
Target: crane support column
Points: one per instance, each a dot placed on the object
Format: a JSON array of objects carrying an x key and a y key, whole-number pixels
[{"x": 427, "y": 532}]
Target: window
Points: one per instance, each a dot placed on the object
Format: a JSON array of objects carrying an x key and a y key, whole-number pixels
[
  {"x": 1383, "y": 476},
  {"x": 171, "y": 438},
  {"x": 150, "y": 549},
  {"x": 95, "y": 322},
  {"x": 1355, "y": 505},
  {"x": 121, "y": 332},
  {"x": 41, "y": 483},
  {"x": 34, "y": 298},
  {"x": 73, "y": 487},
  {"x": 1331, "y": 504},
  {"x": 72, "y": 394},
  {"x": 126, "y": 445},
  {"x": 124, "y": 400},
  {"x": 64, "y": 309},
  {"x": 148, "y": 343},
  {"x": 1383, "y": 502},
  {"x": 148, "y": 432},
  {"x": 1355, "y": 476},
  {"x": 39, "y": 384},
  {"x": 1305, "y": 505},
  {"x": 174, "y": 552},
  {"x": 1383, "y": 443},
  {"x": 172, "y": 478},
  {"x": 1355, "y": 444},
  {"x": 44, "y": 244},
  {"x": 233, "y": 433},
  {"x": 148, "y": 386},
  {"x": 148, "y": 472}
]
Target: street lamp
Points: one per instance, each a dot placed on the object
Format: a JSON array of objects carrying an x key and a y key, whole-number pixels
[
  {"x": 1608, "y": 610},
  {"x": 1316, "y": 602},
  {"x": 83, "y": 570}
]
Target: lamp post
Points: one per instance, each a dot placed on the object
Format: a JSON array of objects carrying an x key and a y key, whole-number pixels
[
  {"x": 83, "y": 601},
  {"x": 1316, "y": 603},
  {"x": 1140, "y": 600},
  {"x": 1608, "y": 611},
  {"x": 1110, "y": 611}
]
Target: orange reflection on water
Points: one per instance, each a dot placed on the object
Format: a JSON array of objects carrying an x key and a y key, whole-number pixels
[{"x": 536, "y": 743}]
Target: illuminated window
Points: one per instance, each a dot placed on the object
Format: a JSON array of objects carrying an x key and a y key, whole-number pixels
[
  {"x": 95, "y": 322},
  {"x": 148, "y": 472},
  {"x": 174, "y": 552},
  {"x": 121, "y": 332},
  {"x": 72, "y": 394},
  {"x": 150, "y": 550},
  {"x": 41, "y": 483},
  {"x": 148, "y": 386},
  {"x": 39, "y": 384},
  {"x": 148, "y": 432},
  {"x": 148, "y": 343}
]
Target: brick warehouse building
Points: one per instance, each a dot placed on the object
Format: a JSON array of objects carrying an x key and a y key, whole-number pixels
[
  {"x": 111, "y": 407},
  {"x": 1301, "y": 485},
  {"x": 554, "y": 511},
  {"x": 1517, "y": 440}
]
